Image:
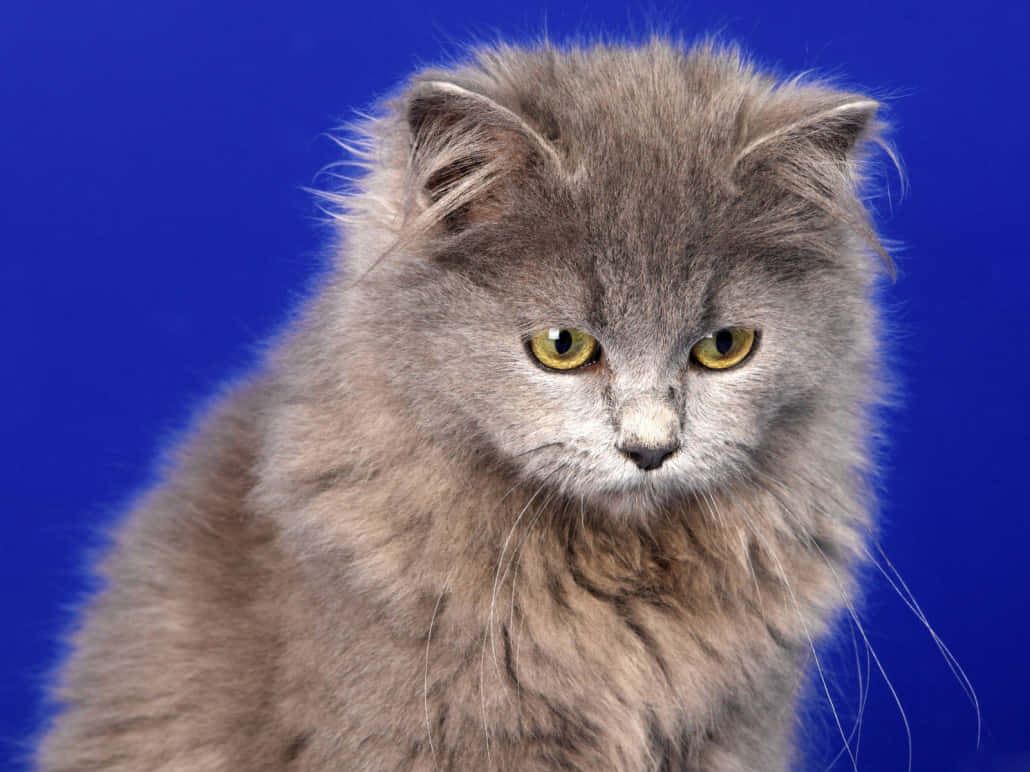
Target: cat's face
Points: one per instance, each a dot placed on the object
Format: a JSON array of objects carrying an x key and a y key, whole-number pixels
[{"x": 647, "y": 249}]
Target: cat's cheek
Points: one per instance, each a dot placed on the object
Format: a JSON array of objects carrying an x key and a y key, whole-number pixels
[{"x": 537, "y": 419}]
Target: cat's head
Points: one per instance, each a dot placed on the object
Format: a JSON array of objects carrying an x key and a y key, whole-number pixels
[{"x": 630, "y": 273}]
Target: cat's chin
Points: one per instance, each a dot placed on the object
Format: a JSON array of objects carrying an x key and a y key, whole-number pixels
[
  {"x": 636, "y": 497},
  {"x": 612, "y": 487},
  {"x": 640, "y": 500}
]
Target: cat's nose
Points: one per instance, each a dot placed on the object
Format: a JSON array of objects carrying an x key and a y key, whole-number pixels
[
  {"x": 648, "y": 431},
  {"x": 648, "y": 457}
]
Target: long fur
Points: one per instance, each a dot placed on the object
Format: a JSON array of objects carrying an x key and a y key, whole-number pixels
[{"x": 401, "y": 544}]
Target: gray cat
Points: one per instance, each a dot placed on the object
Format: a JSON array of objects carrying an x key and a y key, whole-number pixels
[{"x": 565, "y": 466}]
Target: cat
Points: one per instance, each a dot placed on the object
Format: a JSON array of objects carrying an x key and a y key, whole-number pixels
[{"x": 565, "y": 466}]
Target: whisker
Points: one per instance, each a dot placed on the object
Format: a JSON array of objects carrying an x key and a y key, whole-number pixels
[
  {"x": 538, "y": 447},
  {"x": 909, "y": 600},
  {"x": 749, "y": 521},
  {"x": 811, "y": 644},
  {"x": 863, "y": 699},
  {"x": 705, "y": 496},
  {"x": 854, "y": 616},
  {"x": 513, "y": 566},
  {"x": 425, "y": 677},
  {"x": 511, "y": 614},
  {"x": 863, "y": 694},
  {"x": 872, "y": 652},
  {"x": 432, "y": 620},
  {"x": 488, "y": 633}
]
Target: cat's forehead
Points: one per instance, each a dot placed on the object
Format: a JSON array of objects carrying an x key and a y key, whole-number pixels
[
  {"x": 605, "y": 277},
  {"x": 621, "y": 190},
  {"x": 647, "y": 140},
  {"x": 652, "y": 111}
]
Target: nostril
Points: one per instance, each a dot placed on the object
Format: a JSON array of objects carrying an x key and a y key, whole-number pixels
[{"x": 648, "y": 457}]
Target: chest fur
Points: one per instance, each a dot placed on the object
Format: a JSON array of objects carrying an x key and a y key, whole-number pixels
[{"x": 638, "y": 654}]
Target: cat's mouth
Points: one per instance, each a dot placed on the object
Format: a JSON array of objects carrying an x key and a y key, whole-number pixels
[{"x": 609, "y": 477}]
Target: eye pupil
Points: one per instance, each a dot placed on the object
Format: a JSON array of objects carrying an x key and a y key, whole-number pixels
[
  {"x": 724, "y": 348},
  {"x": 723, "y": 341},
  {"x": 563, "y": 349}
]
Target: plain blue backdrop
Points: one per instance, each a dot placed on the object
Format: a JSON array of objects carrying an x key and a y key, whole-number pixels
[{"x": 153, "y": 230}]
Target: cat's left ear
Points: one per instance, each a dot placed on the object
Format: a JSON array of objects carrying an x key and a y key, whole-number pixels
[
  {"x": 466, "y": 149},
  {"x": 833, "y": 124},
  {"x": 812, "y": 139}
]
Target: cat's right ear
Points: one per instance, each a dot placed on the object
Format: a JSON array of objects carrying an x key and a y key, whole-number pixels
[{"x": 466, "y": 150}]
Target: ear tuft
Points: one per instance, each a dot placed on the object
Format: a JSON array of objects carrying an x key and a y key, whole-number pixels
[
  {"x": 835, "y": 127},
  {"x": 808, "y": 141},
  {"x": 840, "y": 129},
  {"x": 464, "y": 147}
]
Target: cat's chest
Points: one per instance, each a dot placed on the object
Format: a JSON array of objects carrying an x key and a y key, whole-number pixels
[{"x": 621, "y": 655}]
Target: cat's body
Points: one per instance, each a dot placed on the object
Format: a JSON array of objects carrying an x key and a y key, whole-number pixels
[{"x": 405, "y": 544}]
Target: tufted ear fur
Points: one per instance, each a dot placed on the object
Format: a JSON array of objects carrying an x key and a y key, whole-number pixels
[
  {"x": 465, "y": 149},
  {"x": 832, "y": 123},
  {"x": 814, "y": 138}
]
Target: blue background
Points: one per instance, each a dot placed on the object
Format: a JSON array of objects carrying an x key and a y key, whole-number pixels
[{"x": 153, "y": 230}]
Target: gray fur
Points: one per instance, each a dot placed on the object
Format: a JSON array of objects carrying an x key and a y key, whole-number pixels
[{"x": 402, "y": 544}]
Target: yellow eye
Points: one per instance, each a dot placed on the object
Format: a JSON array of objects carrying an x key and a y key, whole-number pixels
[
  {"x": 564, "y": 349},
  {"x": 724, "y": 348}
]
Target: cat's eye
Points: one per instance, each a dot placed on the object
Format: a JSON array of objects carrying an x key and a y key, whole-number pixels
[
  {"x": 563, "y": 348},
  {"x": 724, "y": 348}
]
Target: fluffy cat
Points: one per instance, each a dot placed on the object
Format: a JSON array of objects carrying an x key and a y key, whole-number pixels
[{"x": 564, "y": 466}]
